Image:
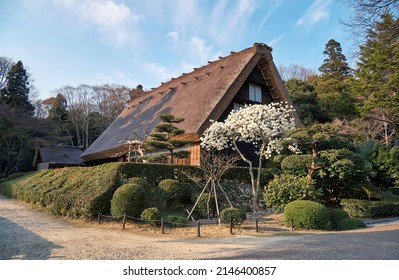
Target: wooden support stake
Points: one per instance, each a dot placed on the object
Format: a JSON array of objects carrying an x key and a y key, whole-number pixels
[
  {"x": 163, "y": 226},
  {"x": 124, "y": 221},
  {"x": 99, "y": 218},
  {"x": 292, "y": 223},
  {"x": 198, "y": 229},
  {"x": 257, "y": 225},
  {"x": 231, "y": 226}
]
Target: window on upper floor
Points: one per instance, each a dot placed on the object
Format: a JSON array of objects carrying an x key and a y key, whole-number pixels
[{"x": 255, "y": 93}]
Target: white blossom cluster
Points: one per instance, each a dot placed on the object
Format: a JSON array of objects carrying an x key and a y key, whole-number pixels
[{"x": 261, "y": 125}]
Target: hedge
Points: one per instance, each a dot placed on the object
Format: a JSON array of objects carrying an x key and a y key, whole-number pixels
[
  {"x": 74, "y": 191},
  {"x": 86, "y": 191},
  {"x": 358, "y": 208}
]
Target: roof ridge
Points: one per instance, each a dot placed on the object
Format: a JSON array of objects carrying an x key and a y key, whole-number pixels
[{"x": 256, "y": 48}]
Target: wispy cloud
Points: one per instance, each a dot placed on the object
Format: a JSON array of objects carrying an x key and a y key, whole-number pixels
[
  {"x": 174, "y": 35},
  {"x": 228, "y": 21},
  {"x": 114, "y": 21},
  {"x": 315, "y": 13},
  {"x": 274, "y": 41},
  {"x": 270, "y": 11}
]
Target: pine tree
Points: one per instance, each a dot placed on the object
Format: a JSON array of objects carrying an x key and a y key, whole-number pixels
[
  {"x": 333, "y": 86},
  {"x": 377, "y": 76},
  {"x": 16, "y": 92},
  {"x": 164, "y": 136}
]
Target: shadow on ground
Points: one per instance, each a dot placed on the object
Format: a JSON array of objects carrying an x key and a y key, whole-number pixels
[{"x": 22, "y": 244}]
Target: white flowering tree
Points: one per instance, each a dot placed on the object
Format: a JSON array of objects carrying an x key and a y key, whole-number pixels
[{"x": 263, "y": 126}]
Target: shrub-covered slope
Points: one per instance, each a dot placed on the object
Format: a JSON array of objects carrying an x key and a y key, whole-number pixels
[{"x": 74, "y": 191}]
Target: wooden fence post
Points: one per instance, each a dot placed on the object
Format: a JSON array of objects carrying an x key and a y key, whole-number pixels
[
  {"x": 231, "y": 226},
  {"x": 124, "y": 221},
  {"x": 198, "y": 229},
  {"x": 292, "y": 223},
  {"x": 162, "y": 226},
  {"x": 99, "y": 218},
  {"x": 257, "y": 225}
]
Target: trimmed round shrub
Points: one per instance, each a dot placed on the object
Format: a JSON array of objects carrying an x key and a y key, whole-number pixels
[
  {"x": 175, "y": 192},
  {"x": 129, "y": 199},
  {"x": 306, "y": 214},
  {"x": 286, "y": 188},
  {"x": 350, "y": 223},
  {"x": 232, "y": 213},
  {"x": 337, "y": 215},
  {"x": 151, "y": 214}
]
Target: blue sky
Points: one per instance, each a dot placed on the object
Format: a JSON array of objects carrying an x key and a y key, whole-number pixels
[{"x": 129, "y": 42}]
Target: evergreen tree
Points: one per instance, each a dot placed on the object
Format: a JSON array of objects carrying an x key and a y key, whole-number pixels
[
  {"x": 306, "y": 102},
  {"x": 16, "y": 92},
  {"x": 165, "y": 137},
  {"x": 333, "y": 86},
  {"x": 377, "y": 76}
]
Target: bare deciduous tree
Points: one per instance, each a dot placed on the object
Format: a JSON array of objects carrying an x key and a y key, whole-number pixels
[
  {"x": 110, "y": 101},
  {"x": 214, "y": 164},
  {"x": 367, "y": 12},
  {"x": 5, "y": 66},
  {"x": 294, "y": 71}
]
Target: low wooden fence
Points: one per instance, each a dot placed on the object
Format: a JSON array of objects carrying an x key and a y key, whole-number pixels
[{"x": 256, "y": 225}]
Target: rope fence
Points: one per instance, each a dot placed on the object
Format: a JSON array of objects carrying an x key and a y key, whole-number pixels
[{"x": 256, "y": 225}]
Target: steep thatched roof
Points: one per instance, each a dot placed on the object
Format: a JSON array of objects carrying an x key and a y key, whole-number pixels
[{"x": 198, "y": 97}]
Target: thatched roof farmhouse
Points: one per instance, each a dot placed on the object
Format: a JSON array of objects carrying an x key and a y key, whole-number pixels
[{"x": 208, "y": 93}]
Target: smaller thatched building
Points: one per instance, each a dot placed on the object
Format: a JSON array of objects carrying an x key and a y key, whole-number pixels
[{"x": 56, "y": 156}]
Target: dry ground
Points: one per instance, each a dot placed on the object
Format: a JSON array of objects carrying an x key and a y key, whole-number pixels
[{"x": 28, "y": 233}]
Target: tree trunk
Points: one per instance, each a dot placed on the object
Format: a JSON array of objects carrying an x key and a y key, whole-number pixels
[
  {"x": 312, "y": 168},
  {"x": 251, "y": 174}
]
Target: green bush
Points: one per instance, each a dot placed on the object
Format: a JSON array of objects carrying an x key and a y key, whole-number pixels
[
  {"x": 175, "y": 220},
  {"x": 151, "y": 214},
  {"x": 175, "y": 192},
  {"x": 286, "y": 188},
  {"x": 337, "y": 215},
  {"x": 306, "y": 214},
  {"x": 232, "y": 213},
  {"x": 358, "y": 208},
  {"x": 296, "y": 164},
  {"x": 129, "y": 199},
  {"x": 350, "y": 223},
  {"x": 201, "y": 208}
]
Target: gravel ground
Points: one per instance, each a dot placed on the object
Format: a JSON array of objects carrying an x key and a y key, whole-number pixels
[{"x": 30, "y": 234}]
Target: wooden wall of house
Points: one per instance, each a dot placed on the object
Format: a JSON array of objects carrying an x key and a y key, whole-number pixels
[{"x": 195, "y": 152}]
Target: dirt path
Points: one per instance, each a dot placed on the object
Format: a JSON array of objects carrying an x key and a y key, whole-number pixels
[{"x": 27, "y": 233}]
